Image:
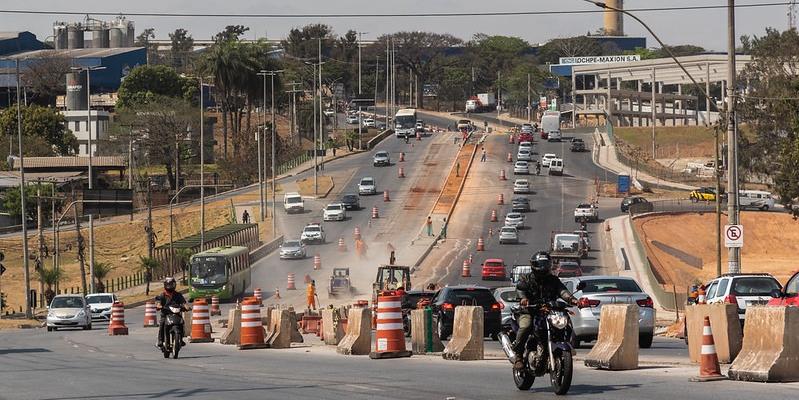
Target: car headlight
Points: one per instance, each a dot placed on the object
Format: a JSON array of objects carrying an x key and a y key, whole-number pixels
[
  {"x": 558, "y": 320},
  {"x": 81, "y": 313},
  {"x": 50, "y": 314}
]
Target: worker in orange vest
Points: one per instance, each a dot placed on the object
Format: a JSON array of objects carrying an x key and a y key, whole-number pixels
[{"x": 310, "y": 294}]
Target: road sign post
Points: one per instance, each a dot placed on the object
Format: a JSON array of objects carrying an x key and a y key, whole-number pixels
[{"x": 733, "y": 236}]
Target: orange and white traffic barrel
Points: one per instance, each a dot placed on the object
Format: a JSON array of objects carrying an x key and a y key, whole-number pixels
[
  {"x": 510, "y": 157},
  {"x": 357, "y": 233},
  {"x": 252, "y": 331},
  {"x": 466, "y": 272},
  {"x": 386, "y": 196},
  {"x": 215, "y": 310},
  {"x": 402, "y": 156},
  {"x": 510, "y": 138},
  {"x": 375, "y": 213},
  {"x": 502, "y": 176},
  {"x": 150, "y": 318},
  {"x": 500, "y": 199},
  {"x": 259, "y": 295},
  {"x": 200, "y": 322},
  {"x": 493, "y": 215},
  {"x": 401, "y": 172},
  {"x": 317, "y": 262},
  {"x": 481, "y": 246},
  {"x": 290, "y": 285},
  {"x": 341, "y": 246},
  {"x": 117, "y": 326},
  {"x": 390, "y": 337}
]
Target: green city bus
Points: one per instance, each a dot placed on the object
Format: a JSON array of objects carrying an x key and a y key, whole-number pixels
[{"x": 221, "y": 271}]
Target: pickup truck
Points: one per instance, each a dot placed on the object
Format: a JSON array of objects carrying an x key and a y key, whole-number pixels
[{"x": 586, "y": 212}]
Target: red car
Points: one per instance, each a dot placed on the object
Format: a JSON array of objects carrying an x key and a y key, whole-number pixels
[
  {"x": 568, "y": 269},
  {"x": 544, "y": 135},
  {"x": 790, "y": 295},
  {"x": 493, "y": 268},
  {"x": 525, "y": 137}
]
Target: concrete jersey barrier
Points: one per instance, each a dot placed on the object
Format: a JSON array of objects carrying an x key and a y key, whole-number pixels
[
  {"x": 233, "y": 332},
  {"x": 332, "y": 331},
  {"x": 423, "y": 335},
  {"x": 358, "y": 340},
  {"x": 727, "y": 333},
  {"x": 280, "y": 330},
  {"x": 467, "y": 335},
  {"x": 770, "y": 351},
  {"x": 616, "y": 347}
]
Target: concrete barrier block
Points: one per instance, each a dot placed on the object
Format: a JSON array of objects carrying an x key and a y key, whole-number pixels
[
  {"x": 232, "y": 334},
  {"x": 332, "y": 330},
  {"x": 296, "y": 337},
  {"x": 770, "y": 351},
  {"x": 727, "y": 332},
  {"x": 358, "y": 340},
  {"x": 422, "y": 335},
  {"x": 467, "y": 335},
  {"x": 266, "y": 315},
  {"x": 616, "y": 347},
  {"x": 280, "y": 331}
]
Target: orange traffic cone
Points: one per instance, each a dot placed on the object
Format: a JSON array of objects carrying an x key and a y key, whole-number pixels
[
  {"x": 401, "y": 172},
  {"x": 215, "y": 310},
  {"x": 317, "y": 262},
  {"x": 200, "y": 322},
  {"x": 709, "y": 369},
  {"x": 357, "y": 233},
  {"x": 375, "y": 213},
  {"x": 258, "y": 294},
  {"x": 290, "y": 285}
]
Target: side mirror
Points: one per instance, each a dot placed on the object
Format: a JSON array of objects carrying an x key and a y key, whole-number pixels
[
  {"x": 580, "y": 286},
  {"x": 776, "y": 293}
]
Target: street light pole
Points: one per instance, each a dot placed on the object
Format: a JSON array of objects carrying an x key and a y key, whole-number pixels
[
  {"x": 202, "y": 168},
  {"x": 28, "y": 310},
  {"x": 274, "y": 136},
  {"x": 734, "y": 260},
  {"x": 260, "y": 142}
]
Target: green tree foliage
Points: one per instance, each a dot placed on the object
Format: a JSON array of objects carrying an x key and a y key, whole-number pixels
[
  {"x": 101, "y": 272},
  {"x": 149, "y": 266},
  {"x": 148, "y": 82},
  {"x": 569, "y": 47},
  {"x": 182, "y": 46},
  {"x": 231, "y": 33},
  {"x": 44, "y": 77},
  {"x": 40, "y": 122},
  {"x": 12, "y": 204},
  {"x": 144, "y": 40},
  {"x": 679, "y": 51},
  {"x": 771, "y": 109}
]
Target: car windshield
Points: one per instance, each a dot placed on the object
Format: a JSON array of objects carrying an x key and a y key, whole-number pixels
[
  {"x": 568, "y": 265},
  {"x": 67, "y": 302},
  {"x": 479, "y": 297},
  {"x": 521, "y": 200},
  {"x": 793, "y": 285},
  {"x": 754, "y": 286},
  {"x": 381, "y": 154},
  {"x": 100, "y": 299},
  {"x": 577, "y": 140},
  {"x": 333, "y": 207},
  {"x": 208, "y": 270},
  {"x": 464, "y": 121},
  {"x": 584, "y": 206},
  {"x": 367, "y": 182},
  {"x": 510, "y": 296},
  {"x": 293, "y": 200},
  {"x": 291, "y": 243},
  {"x": 610, "y": 286},
  {"x": 521, "y": 164},
  {"x": 521, "y": 183},
  {"x": 524, "y": 151},
  {"x": 508, "y": 230},
  {"x": 493, "y": 264},
  {"x": 514, "y": 215},
  {"x": 314, "y": 228}
]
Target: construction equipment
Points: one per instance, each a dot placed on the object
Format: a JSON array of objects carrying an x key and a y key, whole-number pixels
[
  {"x": 391, "y": 277},
  {"x": 339, "y": 282}
]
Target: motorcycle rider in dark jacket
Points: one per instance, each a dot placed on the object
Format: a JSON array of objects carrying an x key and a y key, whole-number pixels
[
  {"x": 170, "y": 297},
  {"x": 537, "y": 287}
]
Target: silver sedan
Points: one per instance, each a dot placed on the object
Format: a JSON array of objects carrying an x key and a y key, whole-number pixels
[
  {"x": 292, "y": 249},
  {"x": 508, "y": 234},
  {"x": 515, "y": 220}
]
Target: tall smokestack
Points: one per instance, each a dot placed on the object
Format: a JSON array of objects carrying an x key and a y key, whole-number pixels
[{"x": 614, "y": 20}]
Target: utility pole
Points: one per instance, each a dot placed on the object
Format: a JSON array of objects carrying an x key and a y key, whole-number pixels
[
  {"x": 388, "y": 67},
  {"x": 262, "y": 152},
  {"x": 734, "y": 261},
  {"x": 274, "y": 132},
  {"x": 321, "y": 114},
  {"x": 360, "y": 123},
  {"x": 149, "y": 228},
  {"x": 529, "y": 105},
  {"x": 294, "y": 92},
  {"x": 81, "y": 255},
  {"x": 26, "y": 265},
  {"x": 40, "y": 228},
  {"x": 377, "y": 67},
  {"x": 315, "y": 134},
  {"x": 202, "y": 172}
]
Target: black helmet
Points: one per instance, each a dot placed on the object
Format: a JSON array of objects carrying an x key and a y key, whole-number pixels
[
  {"x": 541, "y": 264},
  {"x": 170, "y": 283}
]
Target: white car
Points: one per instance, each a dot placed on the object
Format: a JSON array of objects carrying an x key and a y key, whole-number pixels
[
  {"x": 381, "y": 158},
  {"x": 352, "y": 119},
  {"x": 313, "y": 233},
  {"x": 100, "y": 304},
  {"x": 521, "y": 186},
  {"x": 586, "y": 211},
  {"x": 69, "y": 311},
  {"x": 521, "y": 167},
  {"x": 367, "y": 186},
  {"x": 293, "y": 203},
  {"x": 369, "y": 123},
  {"x": 556, "y": 166},
  {"x": 524, "y": 155},
  {"x": 334, "y": 212},
  {"x": 547, "y": 158},
  {"x": 329, "y": 112},
  {"x": 515, "y": 220},
  {"x": 526, "y": 146},
  {"x": 508, "y": 234}
]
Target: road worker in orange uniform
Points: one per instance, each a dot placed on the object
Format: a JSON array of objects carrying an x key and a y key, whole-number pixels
[{"x": 310, "y": 294}]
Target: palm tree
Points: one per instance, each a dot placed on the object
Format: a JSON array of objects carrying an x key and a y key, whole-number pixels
[
  {"x": 50, "y": 277},
  {"x": 101, "y": 271},
  {"x": 183, "y": 256},
  {"x": 148, "y": 265}
]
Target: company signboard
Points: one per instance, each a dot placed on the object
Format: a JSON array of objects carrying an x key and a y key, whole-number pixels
[{"x": 598, "y": 59}]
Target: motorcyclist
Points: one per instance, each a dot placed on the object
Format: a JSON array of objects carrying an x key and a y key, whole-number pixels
[
  {"x": 170, "y": 297},
  {"x": 538, "y": 168},
  {"x": 537, "y": 287}
]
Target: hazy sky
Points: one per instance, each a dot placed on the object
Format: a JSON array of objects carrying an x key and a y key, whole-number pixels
[{"x": 706, "y": 28}]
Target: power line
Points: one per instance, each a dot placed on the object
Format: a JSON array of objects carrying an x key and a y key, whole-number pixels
[{"x": 391, "y": 15}]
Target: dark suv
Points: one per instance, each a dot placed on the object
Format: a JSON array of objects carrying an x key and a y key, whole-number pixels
[
  {"x": 446, "y": 299},
  {"x": 351, "y": 201}
]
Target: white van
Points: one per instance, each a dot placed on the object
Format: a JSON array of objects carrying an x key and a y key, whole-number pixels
[
  {"x": 550, "y": 125},
  {"x": 556, "y": 166},
  {"x": 293, "y": 203},
  {"x": 755, "y": 199}
]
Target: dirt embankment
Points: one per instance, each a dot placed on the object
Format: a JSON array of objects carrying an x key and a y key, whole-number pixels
[{"x": 682, "y": 248}]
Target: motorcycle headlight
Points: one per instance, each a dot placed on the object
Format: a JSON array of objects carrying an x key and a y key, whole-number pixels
[{"x": 558, "y": 320}]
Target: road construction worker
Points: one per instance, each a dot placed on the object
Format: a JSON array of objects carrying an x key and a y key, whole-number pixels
[{"x": 310, "y": 294}]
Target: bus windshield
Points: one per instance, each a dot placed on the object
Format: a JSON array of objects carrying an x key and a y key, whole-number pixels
[
  {"x": 405, "y": 121},
  {"x": 208, "y": 271}
]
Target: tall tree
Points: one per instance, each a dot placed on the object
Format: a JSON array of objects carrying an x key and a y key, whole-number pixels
[
  {"x": 569, "y": 47},
  {"x": 46, "y": 77},
  {"x": 146, "y": 82},
  {"x": 41, "y": 122},
  {"x": 231, "y": 33},
  {"x": 182, "y": 45},
  {"x": 144, "y": 40},
  {"x": 424, "y": 53}
]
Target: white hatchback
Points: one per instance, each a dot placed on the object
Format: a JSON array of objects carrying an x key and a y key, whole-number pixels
[
  {"x": 547, "y": 158},
  {"x": 521, "y": 167},
  {"x": 521, "y": 186},
  {"x": 515, "y": 220}
]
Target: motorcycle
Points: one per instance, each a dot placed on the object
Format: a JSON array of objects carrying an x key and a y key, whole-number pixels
[
  {"x": 173, "y": 331},
  {"x": 548, "y": 348}
]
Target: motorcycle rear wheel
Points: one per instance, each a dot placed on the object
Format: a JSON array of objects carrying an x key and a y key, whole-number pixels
[
  {"x": 523, "y": 379},
  {"x": 561, "y": 377}
]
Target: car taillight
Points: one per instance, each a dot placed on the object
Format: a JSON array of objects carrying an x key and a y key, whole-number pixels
[
  {"x": 497, "y": 306},
  {"x": 647, "y": 302},
  {"x": 731, "y": 299},
  {"x": 585, "y": 302},
  {"x": 447, "y": 306}
]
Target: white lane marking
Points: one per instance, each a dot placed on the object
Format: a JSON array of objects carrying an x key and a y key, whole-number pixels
[{"x": 364, "y": 387}]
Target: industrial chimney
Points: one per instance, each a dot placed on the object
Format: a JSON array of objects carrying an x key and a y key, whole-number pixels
[{"x": 614, "y": 20}]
